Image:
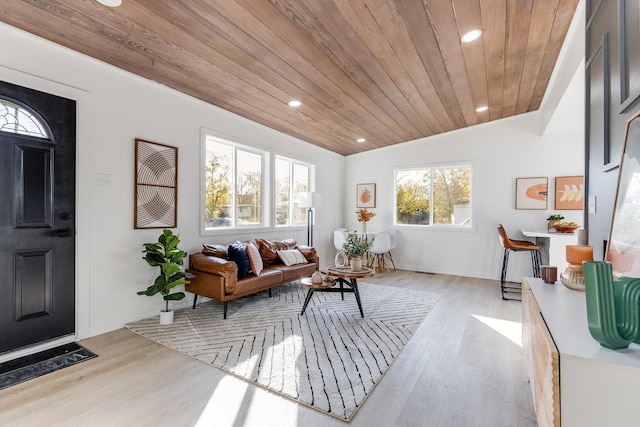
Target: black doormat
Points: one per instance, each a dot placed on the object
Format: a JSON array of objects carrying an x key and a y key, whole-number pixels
[{"x": 34, "y": 365}]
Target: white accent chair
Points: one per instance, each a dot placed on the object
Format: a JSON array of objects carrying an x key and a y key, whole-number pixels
[
  {"x": 339, "y": 238},
  {"x": 379, "y": 250},
  {"x": 392, "y": 237}
]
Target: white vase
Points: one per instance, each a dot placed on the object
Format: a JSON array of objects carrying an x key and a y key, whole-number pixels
[
  {"x": 166, "y": 317},
  {"x": 356, "y": 264}
]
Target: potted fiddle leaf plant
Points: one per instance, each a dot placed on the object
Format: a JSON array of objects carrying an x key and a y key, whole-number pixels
[{"x": 165, "y": 255}]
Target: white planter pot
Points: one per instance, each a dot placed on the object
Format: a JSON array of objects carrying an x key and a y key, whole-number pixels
[
  {"x": 356, "y": 264},
  {"x": 166, "y": 317}
]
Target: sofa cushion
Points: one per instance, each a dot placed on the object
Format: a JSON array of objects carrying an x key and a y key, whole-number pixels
[
  {"x": 215, "y": 250},
  {"x": 309, "y": 252},
  {"x": 238, "y": 254},
  {"x": 269, "y": 249},
  {"x": 255, "y": 259},
  {"x": 292, "y": 257}
]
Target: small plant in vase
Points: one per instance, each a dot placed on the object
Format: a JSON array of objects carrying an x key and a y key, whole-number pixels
[
  {"x": 355, "y": 247},
  {"x": 554, "y": 219},
  {"x": 165, "y": 255}
]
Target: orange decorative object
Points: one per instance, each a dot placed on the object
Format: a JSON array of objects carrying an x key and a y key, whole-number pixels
[
  {"x": 364, "y": 215},
  {"x": 537, "y": 192},
  {"x": 576, "y": 254},
  {"x": 365, "y": 196}
]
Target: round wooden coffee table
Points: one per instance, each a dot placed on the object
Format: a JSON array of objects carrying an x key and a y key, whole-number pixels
[{"x": 344, "y": 276}]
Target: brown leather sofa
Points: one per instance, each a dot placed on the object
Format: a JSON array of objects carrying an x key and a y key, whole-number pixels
[{"x": 215, "y": 277}]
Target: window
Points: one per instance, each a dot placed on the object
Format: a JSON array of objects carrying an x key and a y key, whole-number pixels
[
  {"x": 15, "y": 118},
  {"x": 234, "y": 177},
  {"x": 292, "y": 178},
  {"x": 433, "y": 196}
]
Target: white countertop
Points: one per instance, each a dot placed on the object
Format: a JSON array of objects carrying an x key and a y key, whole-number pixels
[
  {"x": 546, "y": 233},
  {"x": 565, "y": 313}
]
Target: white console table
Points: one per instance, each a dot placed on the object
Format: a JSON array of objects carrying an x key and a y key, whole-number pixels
[
  {"x": 553, "y": 246},
  {"x": 575, "y": 381}
]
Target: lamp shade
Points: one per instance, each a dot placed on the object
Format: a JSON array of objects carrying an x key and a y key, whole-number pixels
[{"x": 309, "y": 200}]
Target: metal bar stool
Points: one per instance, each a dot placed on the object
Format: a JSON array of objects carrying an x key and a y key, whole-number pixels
[{"x": 516, "y": 246}]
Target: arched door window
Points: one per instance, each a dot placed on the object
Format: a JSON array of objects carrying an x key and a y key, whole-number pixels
[{"x": 19, "y": 119}]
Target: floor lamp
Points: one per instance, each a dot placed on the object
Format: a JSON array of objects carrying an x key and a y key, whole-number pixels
[{"x": 309, "y": 201}]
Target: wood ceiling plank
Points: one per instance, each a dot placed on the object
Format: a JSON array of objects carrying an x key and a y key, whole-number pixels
[
  {"x": 539, "y": 31},
  {"x": 246, "y": 67},
  {"x": 493, "y": 34},
  {"x": 391, "y": 26},
  {"x": 414, "y": 16},
  {"x": 561, "y": 22},
  {"x": 518, "y": 21},
  {"x": 388, "y": 70},
  {"x": 273, "y": 59},
  {"x": 391, "y": 68},
  {"x": 319, "y": 65},
  {"x": 443, "y": 21},
  {"x": 468, "y": 17},
  {"x": 390, "y": 21},
  {"x": 330, "y": 29}
]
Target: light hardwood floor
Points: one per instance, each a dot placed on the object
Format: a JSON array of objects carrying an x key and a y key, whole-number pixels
[{"x": 463, "y": 367}]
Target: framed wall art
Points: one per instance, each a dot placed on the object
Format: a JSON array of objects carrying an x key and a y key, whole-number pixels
[
  {"x": 365, "y": 195},
  {"x": 156, "y": 186},
  {"x": 569, "y": 192},
  {"x": 531, "y": 193},
  {"x": 623, "y": 249}
]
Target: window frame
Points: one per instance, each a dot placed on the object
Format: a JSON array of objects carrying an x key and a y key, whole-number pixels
[
  {"x": 268, "y": 185},
  {"x": 293, "y": 202},
  {"x": 265, "y": 164},
  {"x": 431, "y": 167}
]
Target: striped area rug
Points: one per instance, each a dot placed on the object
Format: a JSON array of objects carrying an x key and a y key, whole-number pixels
[{"x": 330, "y": 358}]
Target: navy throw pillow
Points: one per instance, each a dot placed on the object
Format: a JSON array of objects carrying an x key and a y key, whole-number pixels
[{"x": 238, "y": 254}]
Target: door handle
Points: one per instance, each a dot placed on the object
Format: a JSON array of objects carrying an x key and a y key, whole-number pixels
[{"x": 63, "y": 232}]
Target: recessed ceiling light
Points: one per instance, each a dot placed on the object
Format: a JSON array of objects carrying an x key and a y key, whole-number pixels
[
  {"x": 110, "y": 3},
  {"x": 481, "y": 109},
  {"x": 295, "y": 103},
  {"x": 360, "y": 140},
  {"x": 471, "y": 36}
]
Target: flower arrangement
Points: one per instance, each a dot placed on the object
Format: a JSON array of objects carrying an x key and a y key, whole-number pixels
[
  {"x": 355, "y": 246},
  {"x": 364, "y": 215}
]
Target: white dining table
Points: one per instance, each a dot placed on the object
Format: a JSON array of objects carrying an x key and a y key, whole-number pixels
[{"x": 553, "y": 246}]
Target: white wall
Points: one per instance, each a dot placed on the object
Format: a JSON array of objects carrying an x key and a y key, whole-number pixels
[{"x": 114, "y": 108}]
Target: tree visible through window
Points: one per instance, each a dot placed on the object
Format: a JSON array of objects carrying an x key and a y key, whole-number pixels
[
  {"x": 233, "y": 185},
  {"x": 433, "y": 196}
]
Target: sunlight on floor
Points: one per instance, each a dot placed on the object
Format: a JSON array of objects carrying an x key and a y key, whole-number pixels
[
  {"x": 224, "y": 404},
  {"x": 238, "y": 403},
  {"x": 507, "y": 328}
]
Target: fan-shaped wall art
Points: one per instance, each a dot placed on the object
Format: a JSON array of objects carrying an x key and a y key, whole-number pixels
[{"x": 156, "y": 185}]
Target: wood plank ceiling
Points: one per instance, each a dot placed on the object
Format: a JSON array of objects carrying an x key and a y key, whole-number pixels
[{"x": 388, "y": 71}]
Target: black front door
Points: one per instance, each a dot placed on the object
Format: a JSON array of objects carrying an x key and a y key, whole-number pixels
[{"x": 37, "y": 216}]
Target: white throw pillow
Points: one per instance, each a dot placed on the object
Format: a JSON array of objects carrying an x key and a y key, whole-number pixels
[{"x": 292, "y": 257}]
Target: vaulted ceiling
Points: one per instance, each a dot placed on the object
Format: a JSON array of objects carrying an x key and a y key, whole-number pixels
[{"x": 388, "y": 71}]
